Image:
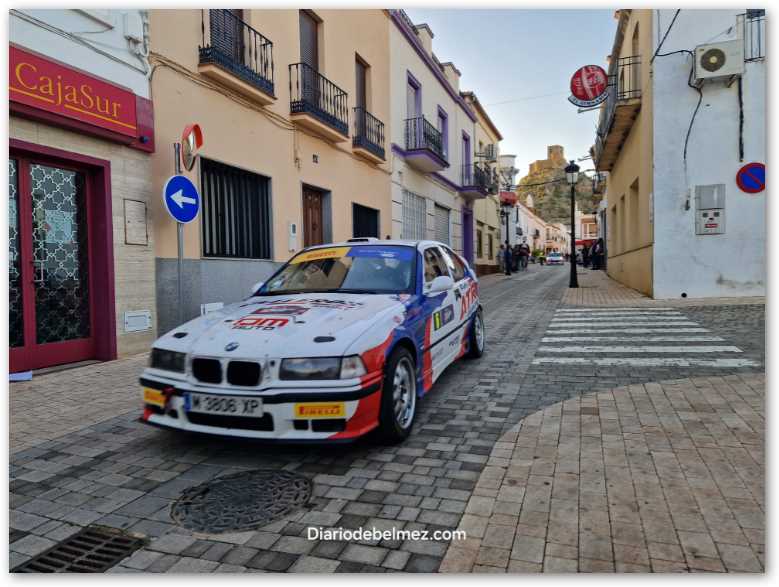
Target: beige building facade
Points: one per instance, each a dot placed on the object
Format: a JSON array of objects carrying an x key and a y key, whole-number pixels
[
  {"x": 486, "y": 211},
  {"x": 294, "y": 106},
  {"x": 625, "y": 151}
]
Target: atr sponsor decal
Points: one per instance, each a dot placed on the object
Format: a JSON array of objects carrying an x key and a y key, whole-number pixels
[
  {"x": 443, "y": 317},
  {"x": 317, "y": 254},
  {"x": 154, "y": 397},
  {"x": 320, "y": 410},
  {"x": 469, "y": 297},
  {"x": 259, "y": 323}
]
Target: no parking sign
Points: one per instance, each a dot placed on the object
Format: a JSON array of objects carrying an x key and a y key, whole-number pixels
[{"x": 751, "y": 178}]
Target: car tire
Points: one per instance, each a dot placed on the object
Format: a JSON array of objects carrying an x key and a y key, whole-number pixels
[
  {"x": 396, "y": 417},
  {"x": 476, "y": 337}
]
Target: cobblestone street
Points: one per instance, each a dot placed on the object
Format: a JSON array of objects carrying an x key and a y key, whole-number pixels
[{"x": 582, "y": 464}]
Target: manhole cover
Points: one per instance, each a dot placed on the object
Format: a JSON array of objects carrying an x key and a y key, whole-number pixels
[
  {"x": 242, "y": 501},
  {"x": 94, "y": 549}
]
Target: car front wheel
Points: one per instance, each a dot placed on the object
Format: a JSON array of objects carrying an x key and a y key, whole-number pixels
[
  {"x": 398, "y": 397},
  {"x": 476, "y": 337}
]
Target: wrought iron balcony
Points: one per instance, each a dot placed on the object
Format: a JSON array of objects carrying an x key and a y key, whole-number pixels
[
  {"x": 619, "y": 111},
  {"x": 368, "y": 134},
  {"x": 230, "y": 45},
  {"x": 318, "y": 103},
  {"x": 475, "y": 181},
  {"x": 424, "y": 145}
]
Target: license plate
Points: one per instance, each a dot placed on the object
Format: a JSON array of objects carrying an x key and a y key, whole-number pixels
[
  {"x": 316, "y": 410},
  {"x": 154, "y": 397},
  {"x": 225, "y": 405}
]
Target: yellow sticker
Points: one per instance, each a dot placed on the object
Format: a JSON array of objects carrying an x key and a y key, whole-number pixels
[
  {"x": 321, "y": 410},
  {"x": 154, "y": 397},
  {"x": 316, "y": 254}
]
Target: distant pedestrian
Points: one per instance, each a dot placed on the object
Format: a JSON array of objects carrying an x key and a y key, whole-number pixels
[
  {"x": 585, "y": 256},
  {"x": 523, "y": 253},
  {"x": 507, "y": 260},
  {"x": 598, "y": 253}
]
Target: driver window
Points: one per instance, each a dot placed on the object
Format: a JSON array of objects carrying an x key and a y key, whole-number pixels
[
  {"x": 435, "y": 266},
  {"x": 455, "y": 265}
]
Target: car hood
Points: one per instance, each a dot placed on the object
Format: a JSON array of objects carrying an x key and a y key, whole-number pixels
[{"x": 302, "y": 325}]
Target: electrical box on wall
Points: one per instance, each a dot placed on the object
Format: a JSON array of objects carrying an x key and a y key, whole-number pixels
[
  {"x": 293, "y": 236},
  {"x": 710, "y": 209}
]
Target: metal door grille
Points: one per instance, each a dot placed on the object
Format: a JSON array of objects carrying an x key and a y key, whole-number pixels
[
  {"x": 442, "y": 224},
  {"x": 236, "y": 212},
  {"x": 414, "y": 216},
  {"x": 92, "y": 550}
]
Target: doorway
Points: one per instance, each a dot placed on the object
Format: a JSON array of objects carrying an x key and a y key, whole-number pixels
[{"x": 313, "y": 216}]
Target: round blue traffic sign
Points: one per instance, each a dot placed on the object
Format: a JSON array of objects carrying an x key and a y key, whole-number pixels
[
  {"x": 751, "y": 178},
  {"x": 181, "y": 199}
]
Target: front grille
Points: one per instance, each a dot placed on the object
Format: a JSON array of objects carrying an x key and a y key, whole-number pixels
[
  {"x": 264, "y": 424},
  {"x": 245, "y": 373},
  {"x": 207, "y": 370}
]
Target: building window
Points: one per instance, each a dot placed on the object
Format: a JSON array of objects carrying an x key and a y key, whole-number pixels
[
  {"x": 443, "y": 128},
  {"x": 236, "y": 214},
  {"x": 414, "y": 217},
  {"x": 479, "y": 240},
  {"x": 442, "y": 224},
  {"x": 365, "y": 221},
  {"x": 490, "y": 246}
]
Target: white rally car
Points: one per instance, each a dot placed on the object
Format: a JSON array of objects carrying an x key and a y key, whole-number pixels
[{"x": 341, "y": 340}]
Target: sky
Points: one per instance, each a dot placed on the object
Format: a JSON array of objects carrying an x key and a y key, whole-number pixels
[{"x": 519, "y": 63}]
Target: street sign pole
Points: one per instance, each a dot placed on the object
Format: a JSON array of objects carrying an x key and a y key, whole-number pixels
[{"x": 179, "y": 239}]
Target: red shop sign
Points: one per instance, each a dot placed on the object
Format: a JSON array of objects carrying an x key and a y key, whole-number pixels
[
  {"x": 49, "y": 86},
  {"x": 589, "y": 86}
]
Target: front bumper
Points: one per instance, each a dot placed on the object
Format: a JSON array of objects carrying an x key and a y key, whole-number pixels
[{"x": 281, "y": 408}]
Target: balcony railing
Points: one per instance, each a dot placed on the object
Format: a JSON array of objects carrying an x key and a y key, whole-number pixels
[
  {"x": 368, "y": 132},
  {"x": 420, "y": 134},
  {"x": 754, "y": 35},
  {"x": 312, "y": 93},
  {"x": 474, "y": 175},
  {"x": 232, "y": 44},
  {"x": 624, "y": 88}
]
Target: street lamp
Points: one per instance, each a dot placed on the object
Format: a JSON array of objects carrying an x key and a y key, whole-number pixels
[{"x": 572, "y": 176}]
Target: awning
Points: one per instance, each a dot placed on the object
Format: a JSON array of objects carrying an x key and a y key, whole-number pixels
[{"x": 585, "y": 242}]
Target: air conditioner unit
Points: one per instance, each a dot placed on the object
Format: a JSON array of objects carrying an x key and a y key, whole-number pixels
[{"x": 719, "y": 60}]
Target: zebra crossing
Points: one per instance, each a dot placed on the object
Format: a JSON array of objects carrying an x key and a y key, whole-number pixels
[{"x": 634, "y": 337}]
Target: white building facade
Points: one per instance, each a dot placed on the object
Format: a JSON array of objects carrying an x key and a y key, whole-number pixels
[
  {"x": 432, "y": 143},
  {"x": 709, "y": 234}
]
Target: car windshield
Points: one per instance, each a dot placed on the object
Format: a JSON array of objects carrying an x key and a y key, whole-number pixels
[{"x": 350, "y": 269}]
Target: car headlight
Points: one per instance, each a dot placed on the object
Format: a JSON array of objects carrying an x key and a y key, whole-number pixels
[
  {"x": 321, "y": 368},
  {"x": 168, "y": 360}
]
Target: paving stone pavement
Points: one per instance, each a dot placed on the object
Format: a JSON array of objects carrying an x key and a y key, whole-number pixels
[
  {"x": 117, "y": 472},
  {"x": 662, "y": 477}
]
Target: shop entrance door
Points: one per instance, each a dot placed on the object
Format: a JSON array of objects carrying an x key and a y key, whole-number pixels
[{"x": 50, "y": 297}]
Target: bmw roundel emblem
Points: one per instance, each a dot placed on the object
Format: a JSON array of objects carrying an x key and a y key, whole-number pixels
[{"x": 231, "y": 346}]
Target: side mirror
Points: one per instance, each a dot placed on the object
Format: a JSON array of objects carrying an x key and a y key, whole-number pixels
[
  {"x": 441, "y": 283},
  {"x": 255, "y": 287}
]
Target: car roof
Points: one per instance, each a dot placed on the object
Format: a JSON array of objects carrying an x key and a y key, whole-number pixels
[{"x": 418, "y": 244}]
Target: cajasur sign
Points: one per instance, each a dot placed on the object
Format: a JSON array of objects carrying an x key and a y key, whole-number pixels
[{"x": 50, "y": 86}]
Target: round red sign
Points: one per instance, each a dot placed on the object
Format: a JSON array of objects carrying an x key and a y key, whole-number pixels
[{"x": 589, "y": 83}]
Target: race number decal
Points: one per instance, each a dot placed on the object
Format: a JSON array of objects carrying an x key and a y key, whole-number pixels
[{"x": 469, "y": 297}]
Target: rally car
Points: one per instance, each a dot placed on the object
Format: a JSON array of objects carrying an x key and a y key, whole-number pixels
[{"x": 342, "y": 340}]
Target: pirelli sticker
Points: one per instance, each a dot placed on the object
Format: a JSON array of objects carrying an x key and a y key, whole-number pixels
[
  {"x": 316, "y": 410},
  {"x": 317, "y": 254},
  {"x": 442, "y": 317}
]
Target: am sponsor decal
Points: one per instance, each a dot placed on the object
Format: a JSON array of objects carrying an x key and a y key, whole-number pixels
[{"x": 267, "y": 323}]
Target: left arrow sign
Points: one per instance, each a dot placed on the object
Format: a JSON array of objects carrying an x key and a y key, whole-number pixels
[{"x": 181, "y": 199}]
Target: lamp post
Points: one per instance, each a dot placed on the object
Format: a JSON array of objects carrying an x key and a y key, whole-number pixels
[{"x": 572, "y": 176}]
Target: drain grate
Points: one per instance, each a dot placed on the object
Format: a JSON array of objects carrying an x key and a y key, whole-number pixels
[
  {"x": 94, "y": 549},
  {"x": 588, "y": 411},
  {"x": 242, "y": 501}
]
